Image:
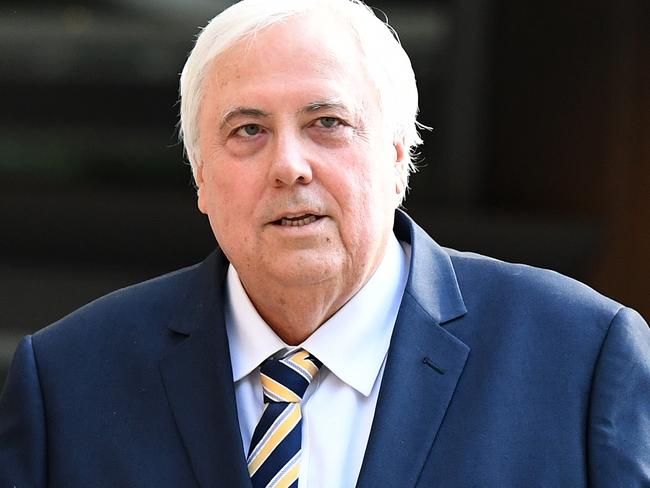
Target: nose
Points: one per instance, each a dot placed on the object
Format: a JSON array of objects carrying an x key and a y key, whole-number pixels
[{"x": 289, "y": 166}]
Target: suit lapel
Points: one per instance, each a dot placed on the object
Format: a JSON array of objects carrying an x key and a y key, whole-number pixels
[
  {"x": 423, "y": 366},
  {"x": 198, "y": 382}
]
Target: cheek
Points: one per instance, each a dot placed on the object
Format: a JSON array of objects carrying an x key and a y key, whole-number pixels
[
  {"x": 358, "y": 182},
  {"x": 374, "y": 199},
  {"x": 225, "y": 188},
  {"x": 235, "y": 203},
  {"x": 225, "y": 233},
  {"x": 233, "y": 236},
  {"x": 373, "y": 185},
  {"x": 360, "y": 194},
  {"x": 215, "y": 200}
]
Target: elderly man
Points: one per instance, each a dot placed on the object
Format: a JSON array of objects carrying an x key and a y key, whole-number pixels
[{"x": 329, "y": 341}]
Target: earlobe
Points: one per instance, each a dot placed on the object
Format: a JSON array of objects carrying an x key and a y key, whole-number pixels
[
  {"x": 198, "y": 174},
  {"x": 200, "y": 201},
  {"x": 200, "y": 191},
  {"x": 401, "y": 167}
]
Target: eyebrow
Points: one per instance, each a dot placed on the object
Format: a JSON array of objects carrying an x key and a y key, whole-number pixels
[
  {"x": 242, "y": 111},
  {"x": 332, "y": 104}
]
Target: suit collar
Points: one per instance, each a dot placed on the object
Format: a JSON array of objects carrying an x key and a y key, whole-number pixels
[
  {"x": 197, "y": 377},
  {"x": 423, "y": 366},
  {"x": 432, "y": 279},
  {"x": 204, "y": 290}
]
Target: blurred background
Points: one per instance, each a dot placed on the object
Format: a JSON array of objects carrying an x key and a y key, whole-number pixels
[{"x": 540, "y": 151}]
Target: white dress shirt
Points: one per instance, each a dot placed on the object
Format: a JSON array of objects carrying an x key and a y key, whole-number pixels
[{"x": 338, "y": 407}]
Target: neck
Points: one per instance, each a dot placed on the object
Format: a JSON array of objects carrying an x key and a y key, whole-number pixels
[
  {"x": 296, "y": 304},
  {"x": 294, "y": 313}
]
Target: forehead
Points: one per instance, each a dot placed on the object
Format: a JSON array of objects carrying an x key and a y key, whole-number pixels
[{"x": 300, "y": 54}]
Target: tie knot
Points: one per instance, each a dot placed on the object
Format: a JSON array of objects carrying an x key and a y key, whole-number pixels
[{"x": 287, "y": 379}]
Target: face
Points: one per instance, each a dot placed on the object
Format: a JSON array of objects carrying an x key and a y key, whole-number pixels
[{"x": 298, "y": 175}]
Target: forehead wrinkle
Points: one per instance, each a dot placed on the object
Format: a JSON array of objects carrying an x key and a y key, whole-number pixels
[{"x": 233, "y": 112}]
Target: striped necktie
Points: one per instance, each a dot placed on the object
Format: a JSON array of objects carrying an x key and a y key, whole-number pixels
[{"x": 274, "y": 454}]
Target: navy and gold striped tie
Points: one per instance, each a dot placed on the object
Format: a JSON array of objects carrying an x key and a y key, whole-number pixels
[{"x": 274, "y": 454}]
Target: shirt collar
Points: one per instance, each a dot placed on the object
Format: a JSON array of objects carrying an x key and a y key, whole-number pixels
[{"x": 366, "y": 322}]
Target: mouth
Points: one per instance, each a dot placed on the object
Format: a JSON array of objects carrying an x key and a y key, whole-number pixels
[{"x": 297, "y": 220}]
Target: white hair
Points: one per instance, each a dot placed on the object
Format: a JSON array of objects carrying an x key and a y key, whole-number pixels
[{"x": 386, "y": 62}]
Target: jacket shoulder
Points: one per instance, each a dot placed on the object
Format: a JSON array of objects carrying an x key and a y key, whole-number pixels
[
  {"x": 138, "y": 315},
  {"x": 501, "y": 285}
]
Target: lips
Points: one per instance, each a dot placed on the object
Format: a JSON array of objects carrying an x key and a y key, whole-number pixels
[{"x": 296, "y": 220}]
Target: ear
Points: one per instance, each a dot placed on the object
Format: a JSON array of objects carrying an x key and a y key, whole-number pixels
[
  {"x": 401, "y": 167},
  {"x": 200, "y": 188}
]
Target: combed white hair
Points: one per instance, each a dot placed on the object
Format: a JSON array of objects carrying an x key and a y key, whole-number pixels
[{"x": 386, "y": 62}]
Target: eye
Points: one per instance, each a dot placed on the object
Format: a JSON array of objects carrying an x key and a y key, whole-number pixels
[
  {"x": 248, "y": 130},
  {"x": 329, "y": 122}
]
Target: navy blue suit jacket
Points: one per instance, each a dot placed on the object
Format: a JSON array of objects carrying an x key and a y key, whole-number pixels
[{"x": 498, "y": 375}]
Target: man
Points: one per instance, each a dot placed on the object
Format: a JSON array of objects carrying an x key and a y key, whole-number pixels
[{"x": 413, "y": 365}]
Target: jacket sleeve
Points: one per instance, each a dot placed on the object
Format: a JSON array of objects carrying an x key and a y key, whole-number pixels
[
  {"x": 22, "y": 423},
  {"x": 619, "y": 419}
]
